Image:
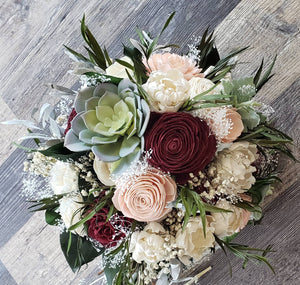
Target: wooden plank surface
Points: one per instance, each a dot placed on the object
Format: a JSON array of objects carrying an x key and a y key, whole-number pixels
[{"x": 32, "y": 34}]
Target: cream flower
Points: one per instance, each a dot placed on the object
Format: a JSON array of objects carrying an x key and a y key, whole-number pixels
[
  {"x": 119, "y": 70},
  {"x": 167, "y": 90},
  {"x": 149, "y": 244},
  {"x": 63, "y": 178},
  {"x": 103, "y": 172},
  {"x": 233, "y": 170},
  {"x": 170, "y": 61},
  {"x": 200, "y": 85},
  {"x": 70, "y": 213},
  {"x": 192, "y": 240},
  {"x": 226, "y": 224}
]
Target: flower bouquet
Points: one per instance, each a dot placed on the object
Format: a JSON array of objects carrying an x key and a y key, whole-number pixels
[{"x": 157, "y": 160}]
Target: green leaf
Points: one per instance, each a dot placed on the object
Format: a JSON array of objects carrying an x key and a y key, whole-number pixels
[
  {"x": 82, "y": 221},
  {"x": 125, "y": 63},
  {"x": 258, "y": 73},
  {"x": 245, "y": 253},
  {"x": 79, "y": 56},
  {"x": 100, "y": 78},
  {"x": 230, "y": 238},
  {"x": 52, "y": 217},
  {"x": 81, "y": 250},
  {"x": 109, "y": 62},
  {"x": 208, "y": 54},
  {"x": 192, "y": 203},
  {"x": 37, "y": 141},
  {"x": 27, "y": 149},
  {"x": 249, "y": 117},
  {"x": 261, "y": 187},
  {"x": 46, "y": 203},
  {"x": 167, "y": 23},
  {"x": 243, "y": 89},
  {"x": 112, "y": 270},
  {"x": 266, "y": 77},
  {"x": 153, "y": 44},
  {"x": 59, "y": 152},
  {"x": 223, "y": 64},
  {"x": 261, "y": 136},
  {"x": 98, "y": 54},
  {"x": 136, "y": 56}
]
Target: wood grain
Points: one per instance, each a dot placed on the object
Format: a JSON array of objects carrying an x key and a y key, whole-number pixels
[
  {"x": 8, "y": 133},
  {"x": 32, "y": 34}
]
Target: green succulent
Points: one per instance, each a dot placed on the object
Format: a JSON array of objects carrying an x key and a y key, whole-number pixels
[{"x": 111, "y": 121}]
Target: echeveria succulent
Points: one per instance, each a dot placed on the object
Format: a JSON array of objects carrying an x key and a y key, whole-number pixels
[{"x": 111, "y": 121}]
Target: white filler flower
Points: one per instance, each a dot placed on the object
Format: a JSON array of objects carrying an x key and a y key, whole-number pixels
[
  {"x": 63, "y": 178},
  {"x": 70, "y": 211}
]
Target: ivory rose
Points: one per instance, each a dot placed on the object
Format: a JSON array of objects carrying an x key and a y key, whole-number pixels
[
  {"x": 228, "y": 223},
  {"x": 69, "y": 208},
  {"x": 103, "y": 173},
  {"x": 232, "y": 168},
  {"x": 148, "y": 245},
  {"x": 145, "y": 198},
  {"x": 167, "y": 90},
  {"x": 200, "y": 85},
  {"x": 63, "y": 178},
  {"x": 192, "y": 240},
  {"x": 168, "y": 61},
  {"x": 119, "y": 70}
]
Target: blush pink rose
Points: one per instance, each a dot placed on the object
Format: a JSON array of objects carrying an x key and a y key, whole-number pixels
[
  {"x": 145, "y": 198},
  {"x": 236, "y": 126},
  {"x": 167, "y": 61}
]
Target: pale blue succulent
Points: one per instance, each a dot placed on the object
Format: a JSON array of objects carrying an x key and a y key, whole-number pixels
[{"x": 111, "y": 121}]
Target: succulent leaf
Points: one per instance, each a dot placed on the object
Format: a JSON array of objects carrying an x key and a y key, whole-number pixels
[{"x": 111, "y": 121}]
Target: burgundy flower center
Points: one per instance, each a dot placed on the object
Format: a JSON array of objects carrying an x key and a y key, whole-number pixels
[{"x": 181, "y": 144}]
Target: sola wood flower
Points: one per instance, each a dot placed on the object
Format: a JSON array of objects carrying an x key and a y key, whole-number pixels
[
  {"x": 145, "y": 197},
  {"x": 180, "y": 144},
  {"x": 167, "y": 91},
  {"x": 107, "y": 233},
  {"x": 226, "y": 224},
  {"x": 170, "y": 61},
  {"x": 111, "y": 122},
  {"x": 233, "y": 169},
  {"x": 149, "y": 244},
  {"x": 225, "y": 123},
  {"x": 192, "y": 241}
]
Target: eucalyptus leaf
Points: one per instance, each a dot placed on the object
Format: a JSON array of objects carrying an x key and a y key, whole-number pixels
[
  {"x": 249, "y": 117},
  {"x": 54, "y": 128},
  {"x": 25, "y": 123}
]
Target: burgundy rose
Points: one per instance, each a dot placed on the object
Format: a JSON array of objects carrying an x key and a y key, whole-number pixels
[
  {"x": 181, "y": 144},
  {"x": 107, "y": 232},
  {"x": 71, "y": 117}
]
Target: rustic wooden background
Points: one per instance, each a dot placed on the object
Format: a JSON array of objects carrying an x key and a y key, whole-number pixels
[{"x": 31, "y": 37}]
